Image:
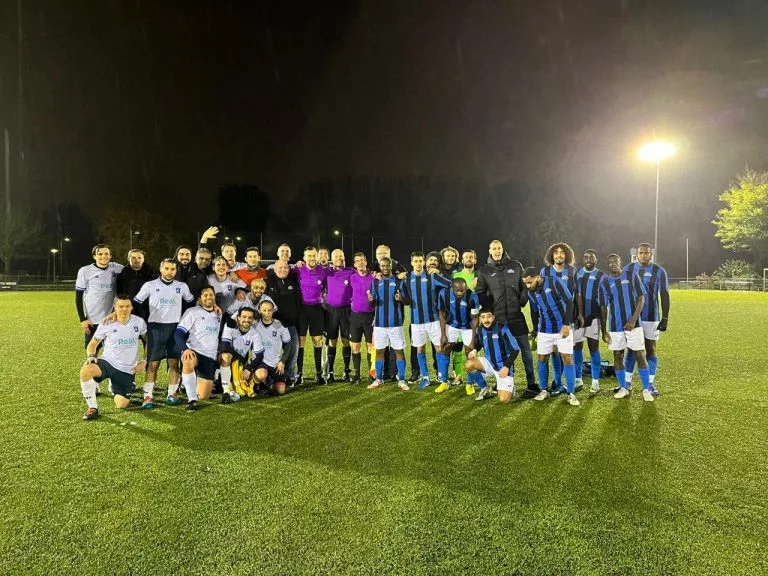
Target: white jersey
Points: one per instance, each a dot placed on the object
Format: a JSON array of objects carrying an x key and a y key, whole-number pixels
[
  {"x": 164, "y": 299},
  {"x": 243, "y": 344},
  {"x": 98, "y": 287},
  {"x": 121, "y": 342},
  {"x": 238, "y": 304},
  {"x": 225, "y": 290},
  {"x": 202, "y": 327},
  {"x": 273, "y": 337}
]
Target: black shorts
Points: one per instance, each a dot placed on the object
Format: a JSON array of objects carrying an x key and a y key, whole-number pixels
[
  {"x": 160, "y": 342},
  {"x": 272, "y": 376},
  {"x": 312, "y": 317},
  {"x": 337, "y": 322},
  {"x": 206, "y": 367},
  {"x": 122, "y": 382},
  {"x": 361, "y": 324}
]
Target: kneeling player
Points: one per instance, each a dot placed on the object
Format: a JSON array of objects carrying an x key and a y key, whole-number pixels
[
  {"x": 197, "y": 336},
  {"x": 270, "y": 369},
  {"x": 236, "y": 347},
  {"x": 500, "y": 349},
  {"x": 119, "y": 360}
]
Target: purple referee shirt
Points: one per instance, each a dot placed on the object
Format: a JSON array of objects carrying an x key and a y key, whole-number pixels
[
  {"x": 312, "y": 283},
  {"x": 360, "y": 286},
  {"x": 339, "y": 292}
]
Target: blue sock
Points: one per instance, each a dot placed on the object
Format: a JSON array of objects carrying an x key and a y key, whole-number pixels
[
  {"x": 401, "y": 369},
  {"x": 570, "y": 378},
  {"x": 557, "y": 369},
  {"x": 652, "y": 363},
  {"x": 645, "y": 378},
  {"x": 620, "y": 378},
  {"x": 443, "y": 360},
  {"x": 380, "y": 369},
  {"x": 578, "y": 362},
  {"x": 543, "y": 374},
  {"x": 629, "y": 362},
  {"x": 422, "y": 358},
  {"x": 595, "y": 360},
  {"x": 477, "y": 378}
]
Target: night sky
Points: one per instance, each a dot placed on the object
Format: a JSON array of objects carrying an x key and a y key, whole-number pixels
[{"x": 165, "y": 102}]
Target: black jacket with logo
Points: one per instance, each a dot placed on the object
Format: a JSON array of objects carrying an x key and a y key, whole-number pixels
[
  {"x": 287, "y": 296},
  {"x": 500, "y": 287}
]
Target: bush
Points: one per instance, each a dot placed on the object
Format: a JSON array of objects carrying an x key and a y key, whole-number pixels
[{"x": 735, "y": 269}]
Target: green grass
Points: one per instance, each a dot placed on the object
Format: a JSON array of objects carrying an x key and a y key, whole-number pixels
[{"x": 341, "y": 480}]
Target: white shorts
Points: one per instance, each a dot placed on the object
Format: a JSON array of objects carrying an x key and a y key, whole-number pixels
[
  {"x": 454, "y": 333},
  {"x": 591, "y": 331},
  {"x": 545, "y": 343},
  {"x": 504, "y": 383},
  {"x": 650, "y": 330},
  {"x": 622, "y": 340},
  {"x": 420, "y": 333},
  {"x": 388, "y": 338}
]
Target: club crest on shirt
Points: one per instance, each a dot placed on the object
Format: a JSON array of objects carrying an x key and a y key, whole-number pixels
[
  {"x": 135, "y": 328},
  {"x": 274, "y": 333},
  {"x": 346, "y": 282},
  {"x": 319, "y": 282},
  {"x": 178, "y": 290}
]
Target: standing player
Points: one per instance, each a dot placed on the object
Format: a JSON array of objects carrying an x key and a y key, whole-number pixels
[
  {"x": 383, "y": 251},
  {"x": 626, "y": 297},
  {"x": 134, "y": 276},
  {"x": 450, "y": 259},
  {"x": 283, "y": 289},
  {"x": 559, "y": 263},
  {"x": 194, "y": 275},
  {"x": 252, "y": 299},
  {"x": 362, "y": 316},
  {"x": 313, "y": 282},
  {"x": 197, "y": 336},
  {"x": 323, "y": 256},
  {"x": 552, "y": 312},
  {"x": 277, "y": 351},
  {"x": 166, "y": 297},
  {"x": 467, "y": 273},
  {"x": 252, "y": 269},
  {"x": 388, "y": 322},
  {"x": 224, "y": 283},
  {"x": 458, "y": 308},
  {"x": 283, "y": 255},
  {"x": 338, "y": 302},
  {"x": 656, "y": 283},
  {"x": 237, "y": 346},
  {"x": 95, "y": 289},
  {"x": 420, "y": 293},
  {"x": 501, "y": 349},
  {"x": 119, "y": 360},
  {"x": 591, "y": 285}
]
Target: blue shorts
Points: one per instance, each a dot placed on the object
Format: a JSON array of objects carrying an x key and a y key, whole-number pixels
[
  {"x": 160, "y": 342},
  {"x": 122, "y": 382}
]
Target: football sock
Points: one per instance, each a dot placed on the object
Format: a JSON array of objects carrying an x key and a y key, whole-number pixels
[
  {"x": 595, "y": 361},
  {"x": 346, "y": 354},
  {"x": 300, "y": 361},
  {"x": 331, "y": 358},
  {"x": 477, "y": 378},
  {"x": 89, "y": 393},
  {"x": 190, "y": 385},
  {"x": 629, "y": 366},
  {"x": 148, "y": 388},
  {"x": 380, "y": 369},
  {"x": 644, "y": 378},
  {"x": 443, "y": 362},
  {"x": 578, "y": 362},
  {"x": 557, "y": 369},
  {"x": 543, "y": 374},
  {"x": 401, "y": 369},
  {"x": 318, "y": 350},
  {"x": 458, "y": 362},
  {"x": 226, "y": 375},
  {"x": 172, "y": 389},
  {"x": 652, "y": 365},
  {"x": 356, "y": 362},
  {"x": 570, "y": 378},
  {"x": 422, "y": 358},
  {"x": 620, "y": 378}
]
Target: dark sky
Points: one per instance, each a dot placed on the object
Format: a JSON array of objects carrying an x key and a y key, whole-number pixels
[{"x": 172, "y": 99}]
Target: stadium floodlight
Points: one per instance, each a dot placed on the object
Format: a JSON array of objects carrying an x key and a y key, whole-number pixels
[
  {"x": 657, "y": 151},
  {"x": 238, "y": 238},
  {"x": 54, "y": 251},
  {"x": 339, "y": 234}
]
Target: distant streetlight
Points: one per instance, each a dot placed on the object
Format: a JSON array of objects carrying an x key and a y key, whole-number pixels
[
  {"x": 132, "y": 234},
  {"x": 61, "y": 250},
  {"x": 339, "y": 233},
  {"x": 657, "y": 151},
  {"x": 54, "y": 251},
  {"x": 238, "y": 238}
]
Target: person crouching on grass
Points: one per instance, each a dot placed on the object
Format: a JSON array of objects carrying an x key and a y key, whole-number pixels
[{"x": 501, "y": 349}]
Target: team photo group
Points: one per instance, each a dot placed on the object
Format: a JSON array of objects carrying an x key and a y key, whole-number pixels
[{"x": 235, "y": 329}]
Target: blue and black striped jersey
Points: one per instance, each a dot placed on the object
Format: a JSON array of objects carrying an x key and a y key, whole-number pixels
[
  {"x": 656, "y": 282},
  {"x": 550, "y": 303},
  {"x": 498, "y": 343},
  {"x": 389, "y": 313},
  {"x": 623, "y": 293},
  {"x": 591, "y": 285},
  {"x": 421, "y": 292},
  {"x": 459, "y": 311}
]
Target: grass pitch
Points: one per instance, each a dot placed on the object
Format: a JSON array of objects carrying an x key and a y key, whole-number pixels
[{"x": 342, "y": 480}]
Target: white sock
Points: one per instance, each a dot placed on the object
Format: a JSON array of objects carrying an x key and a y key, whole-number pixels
[
  {"x": 596, "y": 382},
  {"x": 227, "y": 388},
  {"x": 149, "y": 388},
  {"x": 226, "y": 375},
  {"x": 89, "y": 392},
  {"x": 217, "y": 373},
  {"x": 652, "y": 377},
  {"x": 628, "y": 377},
  {"x": 172, "y": 389},
  {"x": 190, "y": 385}
]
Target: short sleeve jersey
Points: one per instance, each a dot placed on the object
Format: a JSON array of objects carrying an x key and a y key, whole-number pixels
[
  {"x": 121, "y": 342},
  {"x": 202, "y": 327},
  {"x": 165, "y": 300},
  {"x": 98, "y": 288},
  {"x": 273, "y": 336},
  {"x": 243, "y": 343},
  {"x": 225, "y": 290}
]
